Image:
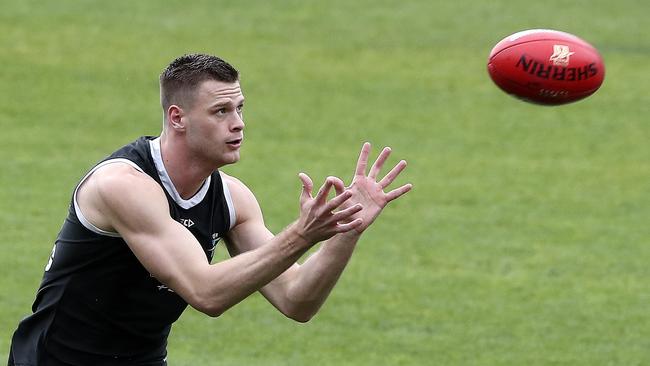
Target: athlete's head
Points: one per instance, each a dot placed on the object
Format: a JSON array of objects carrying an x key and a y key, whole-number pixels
[
  {"x": 180, "y": 80},
  {"x": 202, "y": 103}
]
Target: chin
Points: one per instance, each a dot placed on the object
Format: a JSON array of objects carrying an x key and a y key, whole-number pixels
[{"x": 230, "y": 159}]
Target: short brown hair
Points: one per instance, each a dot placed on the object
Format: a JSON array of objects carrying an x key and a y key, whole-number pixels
[{"x": 180, "y": 79}]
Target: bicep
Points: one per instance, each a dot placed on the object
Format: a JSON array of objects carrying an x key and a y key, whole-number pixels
[{"x": 135, "y": 206}]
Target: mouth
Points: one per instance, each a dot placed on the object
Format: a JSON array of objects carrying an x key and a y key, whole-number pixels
[{"x": 235, "y": 142}]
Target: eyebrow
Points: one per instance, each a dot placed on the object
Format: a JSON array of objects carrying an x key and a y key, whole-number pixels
[{"x": 224, "y": 101}]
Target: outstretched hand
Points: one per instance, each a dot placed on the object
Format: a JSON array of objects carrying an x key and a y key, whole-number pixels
[
  {"x": 368, "y": 191},
  {"x": 321, "y": 218}
]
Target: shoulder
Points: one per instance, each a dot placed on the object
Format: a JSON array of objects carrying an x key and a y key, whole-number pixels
[
  {"x": 245, "y": 202},
  {"x": 120, "y": 192},
  {"x": 119, "y": 186},
  {"x": 120, "y": 177},
  {"x": 235, "y": 185}
]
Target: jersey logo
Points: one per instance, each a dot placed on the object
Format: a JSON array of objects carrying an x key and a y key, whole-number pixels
[
  {"x": 160, "y": 286},
  {"x": 215, "y": 241},
  {"x": 163, "y": 287},
  {"x": 186, "y": 222}
]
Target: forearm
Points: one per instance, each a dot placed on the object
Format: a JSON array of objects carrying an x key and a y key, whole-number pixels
[
  {"x": 226, "y": 283},
  {"x": 320, "y": 219},
  {"x": 316, "y": 277}
]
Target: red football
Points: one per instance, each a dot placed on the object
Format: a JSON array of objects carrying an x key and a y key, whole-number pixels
[{"x": 546, "y": 67}]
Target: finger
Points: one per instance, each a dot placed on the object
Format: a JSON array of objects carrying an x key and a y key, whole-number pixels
[
  {"x": 398, "y": 192},
  {"x": 343, "y": 215},
  {"x": 379, "y": 163},
  {"x": 307, "y": 186},
  {"x": 338, "y": 200},
  {"x": 390, "y": 177},
  {"x": 362, "y": 163},
  {"x": 342, "y": 228},
  {"x": 338, "y": 184},
  {"x": 325, "y": 189}
]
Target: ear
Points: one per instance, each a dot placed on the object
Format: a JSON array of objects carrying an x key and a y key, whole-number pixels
[{"x": 175, "y": 118}]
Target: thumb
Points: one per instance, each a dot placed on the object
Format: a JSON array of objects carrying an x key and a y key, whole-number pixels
[{"x": 307, "y": 186}]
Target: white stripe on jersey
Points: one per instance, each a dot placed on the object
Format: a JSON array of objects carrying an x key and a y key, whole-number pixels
[{"x": 87, "y": 224}]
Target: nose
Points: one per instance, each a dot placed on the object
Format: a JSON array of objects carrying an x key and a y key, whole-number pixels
[{"x": 238, "y": 122}]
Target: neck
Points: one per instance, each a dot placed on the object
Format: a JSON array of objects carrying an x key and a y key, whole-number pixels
[{"x": 186, "y": 172}]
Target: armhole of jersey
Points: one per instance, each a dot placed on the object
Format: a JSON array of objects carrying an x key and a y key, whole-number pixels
[
  {"x": 229, "y": 203},
  {"x": 87, "y": 224}
]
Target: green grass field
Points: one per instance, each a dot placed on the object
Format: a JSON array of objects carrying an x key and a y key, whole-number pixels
[{"x": 524, "y": 241}]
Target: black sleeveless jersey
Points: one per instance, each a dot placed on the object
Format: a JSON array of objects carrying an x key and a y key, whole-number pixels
[{"x": 97, "y": 305}]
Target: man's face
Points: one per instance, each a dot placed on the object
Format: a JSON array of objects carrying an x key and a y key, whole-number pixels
[{"x": 215, "y": 126}]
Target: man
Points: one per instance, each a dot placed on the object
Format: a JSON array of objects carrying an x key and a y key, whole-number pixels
[{"x": 136, "y": 246}]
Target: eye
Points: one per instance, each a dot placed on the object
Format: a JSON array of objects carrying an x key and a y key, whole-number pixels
[
  {"x": 221, "y": 111},
  {"x": 240, "y": 108}
]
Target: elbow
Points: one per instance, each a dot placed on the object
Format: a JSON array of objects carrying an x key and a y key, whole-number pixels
[
  {"x": 209, "y": 307},
  {"x": 212, "y": 312},
  {"x": 300, "y": 318},
  {"x": 301, "y": 314},
  {"x": 197, "y": 292}
]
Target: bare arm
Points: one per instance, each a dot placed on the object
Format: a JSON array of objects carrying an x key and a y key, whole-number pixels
[
  {"x": 301, "y": 290},
  {"x": 322, "y": 270},
  {"x": 118, "y": 197}
]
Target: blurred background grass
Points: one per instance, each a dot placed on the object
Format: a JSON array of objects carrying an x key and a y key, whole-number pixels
[{"x": 523, "y": 241}]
